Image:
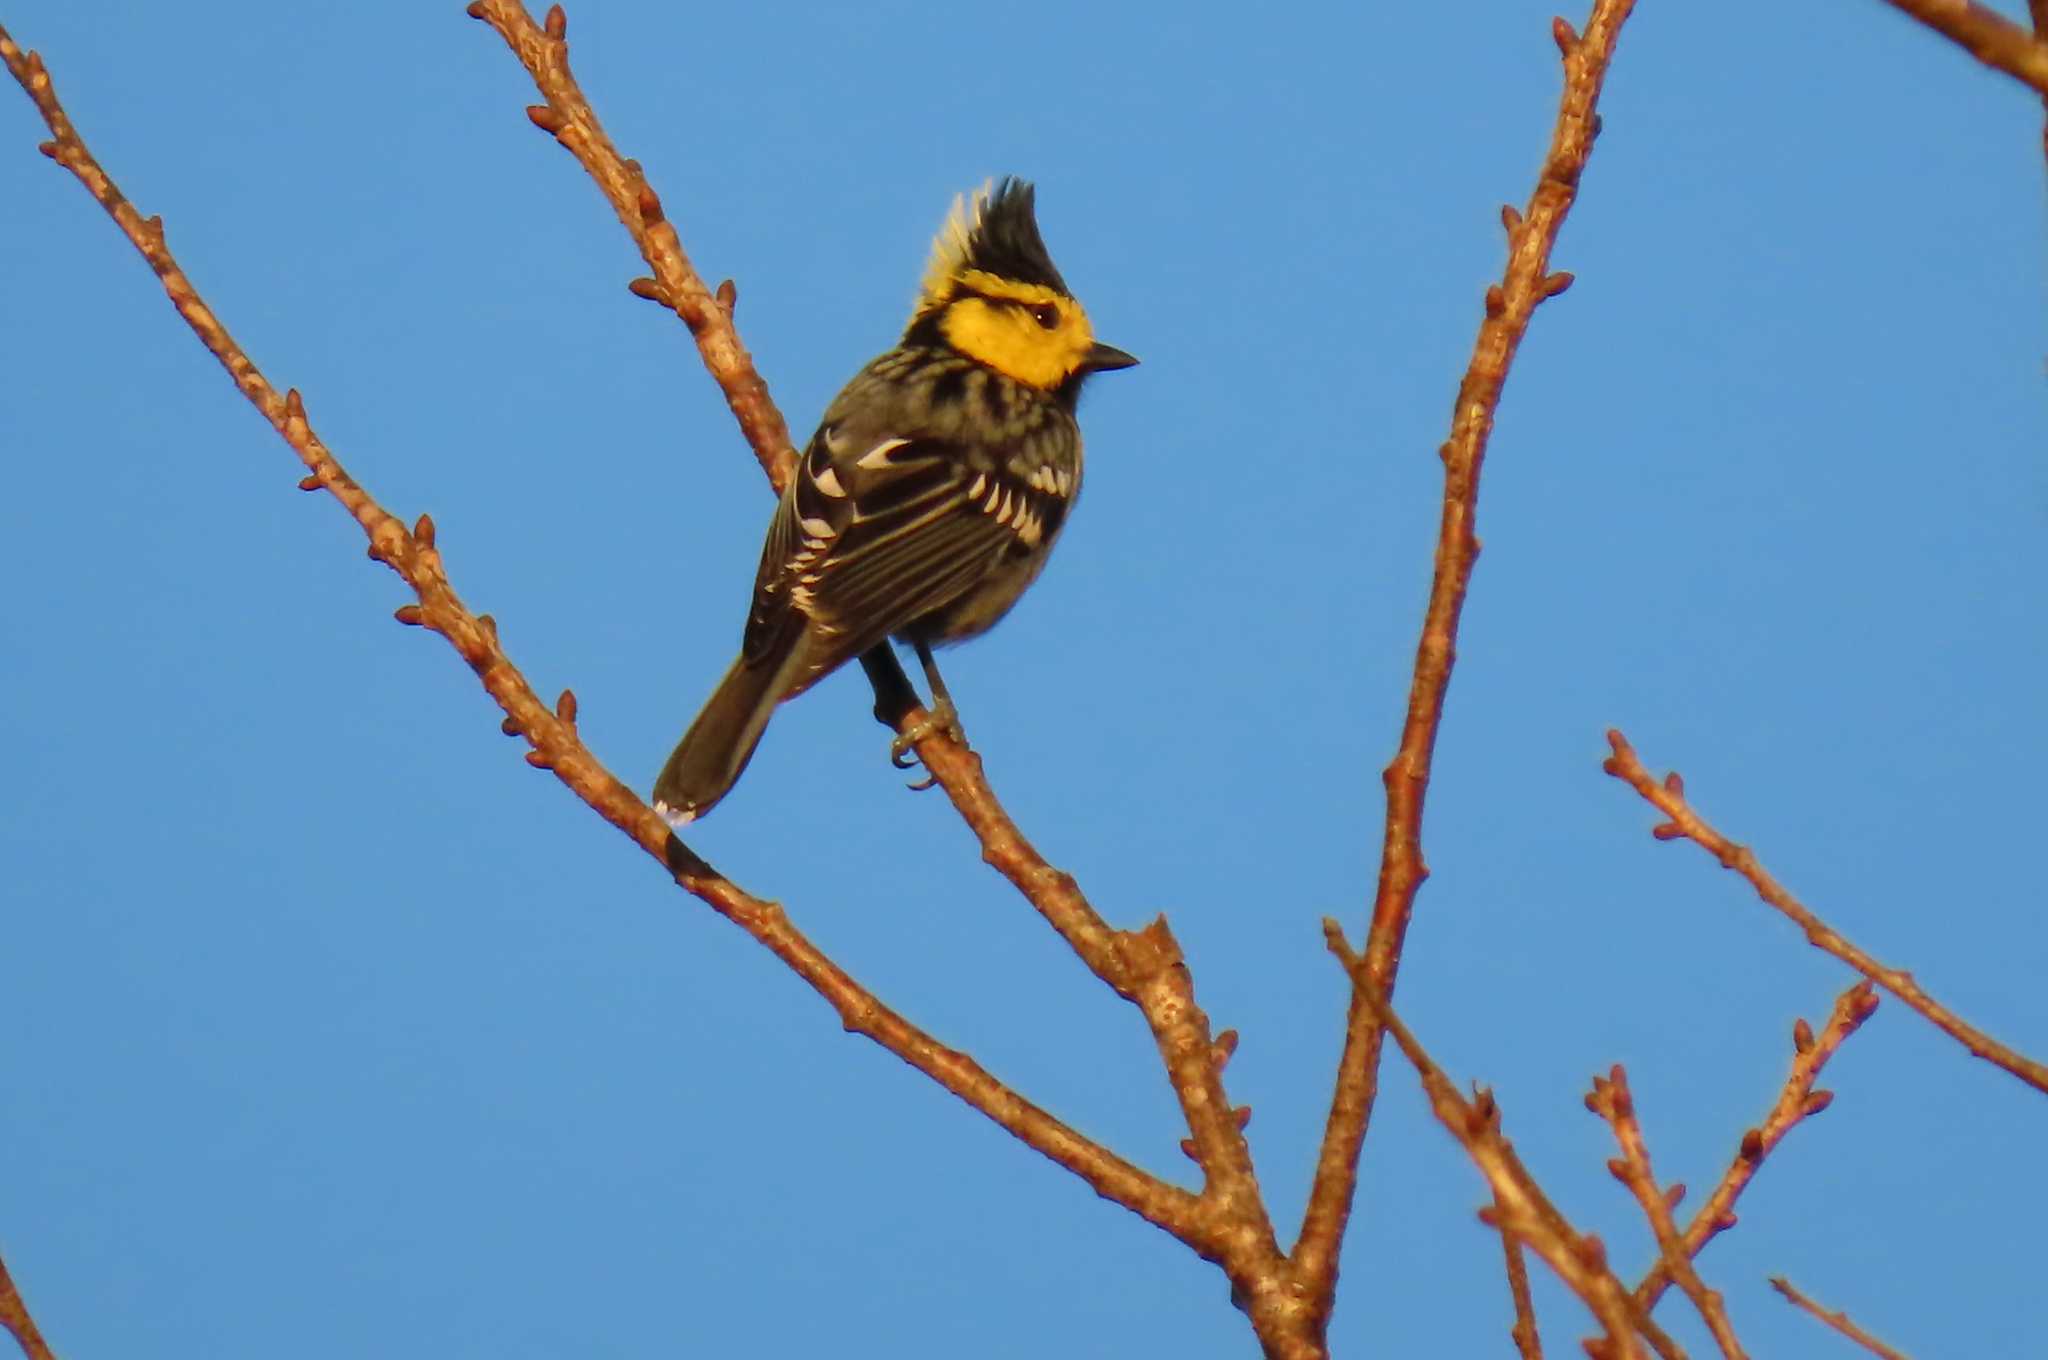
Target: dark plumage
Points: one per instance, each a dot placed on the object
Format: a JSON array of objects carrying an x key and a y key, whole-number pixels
[{"x": 930, "y": 495}]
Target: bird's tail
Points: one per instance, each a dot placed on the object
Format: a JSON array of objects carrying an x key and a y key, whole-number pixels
[{"x": 708, "y": 760}]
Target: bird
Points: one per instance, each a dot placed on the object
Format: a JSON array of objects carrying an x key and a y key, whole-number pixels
[{"x": 929, "y": 497}]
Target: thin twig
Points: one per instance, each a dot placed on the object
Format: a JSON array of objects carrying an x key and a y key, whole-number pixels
[
  {"x": 552, "y": 732},
  {"x": 1519, "y": 1205},
  {"x": 1612, "y": 1101},
  {"x": 1797, "y": 1102},
  {"x": 2038, "y": 11},
  {"x": 1986, "y": 35},
  {"x": 544, "y": 52},
  {"x": 1528, "y": 1341},
  {"x": 13, "y": 1312},
  {"x": 1839, "y": 1321},
  {"x": 1526, "y": 283},
  {"x": 1669, "y": 798},
  {"x": 1143, "y": 966}
]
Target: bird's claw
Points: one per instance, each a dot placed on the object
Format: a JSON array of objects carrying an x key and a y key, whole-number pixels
[{"x": 940, "y": 717}]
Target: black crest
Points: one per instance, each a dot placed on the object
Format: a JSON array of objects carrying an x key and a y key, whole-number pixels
[{"x": 996, "y": 233}]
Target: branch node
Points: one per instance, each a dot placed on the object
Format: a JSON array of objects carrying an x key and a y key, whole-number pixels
[
  {"x": 1592, "y": 1251},
  {"x": 1333, "y": 938},
  {"x": 649, "y": 204}
]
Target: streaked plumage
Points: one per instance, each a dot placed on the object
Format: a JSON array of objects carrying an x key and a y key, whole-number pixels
[{"x": 931, "y": 493}]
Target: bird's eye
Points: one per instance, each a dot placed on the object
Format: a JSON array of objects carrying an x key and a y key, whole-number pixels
[{"x": 1046, "y": 315}]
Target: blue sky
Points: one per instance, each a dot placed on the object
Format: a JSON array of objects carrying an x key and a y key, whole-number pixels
[{"x": 330, "y": 1027}]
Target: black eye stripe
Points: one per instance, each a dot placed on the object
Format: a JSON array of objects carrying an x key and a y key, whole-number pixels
[{"x": 1044, "y": 313}]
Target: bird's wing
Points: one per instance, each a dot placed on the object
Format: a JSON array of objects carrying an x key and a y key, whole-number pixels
[{"x": 867, "y": 540}]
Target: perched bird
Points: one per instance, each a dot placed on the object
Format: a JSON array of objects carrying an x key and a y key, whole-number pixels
[{"x": 930, "y": 495}]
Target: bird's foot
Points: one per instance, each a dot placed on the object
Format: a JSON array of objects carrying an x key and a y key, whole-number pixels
[{"x": 940, "y": 717}]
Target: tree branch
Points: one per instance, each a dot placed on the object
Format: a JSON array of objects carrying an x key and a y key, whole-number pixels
[
  {"x": 2038, "y": 11},
  {"x": 544, "y": 52},
  {"x": 1839, "y": 1321},
  {"x": 1528, "y": 1342},
  {"x": 1227, "y": 1223},
  {"x": 1986, "y": 35},
  {"x": 1669, "y": 798},
  {"x": 1144, "y": 967},
  {"x": 552, "y": 732},
  {"x": 1797, "y": 1101},
  {"x": 1611, "y": 1100},
  {"x": 13, "y": 1312},
  {"x": 1526, "y": 283},
  {"x": 1519, "y": 1205}
]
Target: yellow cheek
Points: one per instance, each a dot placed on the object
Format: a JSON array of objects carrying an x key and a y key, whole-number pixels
[{"x": 1009, "y": 341}]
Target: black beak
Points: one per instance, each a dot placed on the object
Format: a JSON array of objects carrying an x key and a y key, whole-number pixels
[{"x": 1102, "y": 358}]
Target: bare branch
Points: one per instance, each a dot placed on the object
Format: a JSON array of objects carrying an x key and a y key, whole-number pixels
[
  {"x": 13, "y": 1312},
  {"x": 1986, "y": 35},
  {"x": 1611, "y": 1100},
  {"x": 1519, "y": 1205},
  {"x": 1797, "y": 1101},
  {"x": 544, "y": 51},
  {"x": 1526, "y": 283},
  {"x": 1669, "y": 798},
  {"x": 1228, "y": 1222},
  {"x": 1839, "y": 1321},
  {"x": 2038, "y": 11},
  {"x": 1528, "y": 1342},
  {"x": 1145, "y": 966},
  {"x": 551, "y": 732}
]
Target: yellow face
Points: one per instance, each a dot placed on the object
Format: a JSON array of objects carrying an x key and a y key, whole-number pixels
[{"x": 1026, "y": 330}]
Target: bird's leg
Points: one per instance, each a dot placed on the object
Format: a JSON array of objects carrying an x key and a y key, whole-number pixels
[{"x": 941, "y": 716}]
